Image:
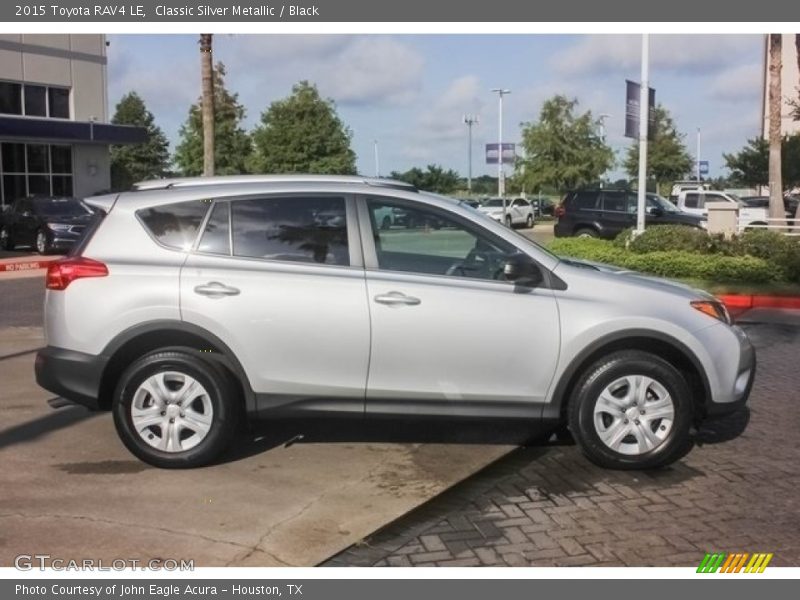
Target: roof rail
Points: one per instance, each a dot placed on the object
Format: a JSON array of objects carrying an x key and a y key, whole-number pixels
[{"x": 189, "y": 182}]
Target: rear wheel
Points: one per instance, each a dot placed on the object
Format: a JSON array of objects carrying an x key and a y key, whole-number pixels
[
  {"x": 529, "y": 221},
  {"x": 175, "y": 410},
  {"x": 631, "y": 410},
  {"x": 586, "y": 232},
  {"x": 6, "y": 241},
  {"x": 509, "y": 222}
]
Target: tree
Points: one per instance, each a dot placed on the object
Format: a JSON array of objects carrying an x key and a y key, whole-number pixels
[
  {"x": 667, "y": 156},
  {"x": 303, "y": 134},
  {"x": 750, "y": 165},
  {"x": 135, "y": 162},
  {"x": 562, "y": 149},
  {"x": 232, "y": 144},
  {"x": 776, "y": 208},
  {"x": 207, "y": 103},
  {"x": 433, "y": 179}
]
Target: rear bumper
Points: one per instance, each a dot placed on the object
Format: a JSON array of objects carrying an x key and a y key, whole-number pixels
[{"x": 72, "y": 375}]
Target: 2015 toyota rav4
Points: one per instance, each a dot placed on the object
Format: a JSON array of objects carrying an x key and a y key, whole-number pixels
[{"x": 193, "y": 303}]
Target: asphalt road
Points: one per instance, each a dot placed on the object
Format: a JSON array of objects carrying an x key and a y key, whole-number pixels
[{"x": 21, "y": 302}]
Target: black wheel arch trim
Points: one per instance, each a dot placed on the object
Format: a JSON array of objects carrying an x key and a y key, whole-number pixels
[
  {"x": 224, "y": 356},
  {"x": 553, "y": 410}
]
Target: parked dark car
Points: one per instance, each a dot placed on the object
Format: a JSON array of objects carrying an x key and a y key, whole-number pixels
[
  {"x": 544, "y": 209},
  {"x": 605, "y": 213},
  {"x": 45, "y": 223}
]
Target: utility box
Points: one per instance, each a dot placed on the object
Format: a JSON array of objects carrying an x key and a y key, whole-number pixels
[{"x": 723, "y": 217}]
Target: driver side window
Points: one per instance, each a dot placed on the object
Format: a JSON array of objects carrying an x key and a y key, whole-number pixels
[{"x": 420, "y": 240}]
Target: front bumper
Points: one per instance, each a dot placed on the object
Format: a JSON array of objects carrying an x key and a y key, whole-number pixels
[
  {"x": 737, "y": 393},
  {"x": 72, "y": 375}
]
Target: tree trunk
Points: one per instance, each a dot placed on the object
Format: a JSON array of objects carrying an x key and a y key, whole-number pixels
[{"x": 207, "y": 103}]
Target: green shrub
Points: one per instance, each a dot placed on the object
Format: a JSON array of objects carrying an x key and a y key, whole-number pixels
[
  {"x": 662, "y": 238},
  {"x": 780, "y": 249},
  {"x": 672, "y": 263}
]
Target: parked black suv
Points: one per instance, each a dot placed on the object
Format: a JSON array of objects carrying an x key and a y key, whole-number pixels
[
  {"x": 46, "y": 223},
  {"x": 605, "y": 213}
]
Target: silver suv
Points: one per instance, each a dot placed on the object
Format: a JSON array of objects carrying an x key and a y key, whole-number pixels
[{"x": 192, "y": 304}]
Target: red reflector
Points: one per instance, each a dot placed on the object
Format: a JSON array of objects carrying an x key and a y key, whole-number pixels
[{"x": 61, "y": 273}]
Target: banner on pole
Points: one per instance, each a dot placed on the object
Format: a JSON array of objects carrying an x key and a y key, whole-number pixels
[{"x": 632, "y": 94}]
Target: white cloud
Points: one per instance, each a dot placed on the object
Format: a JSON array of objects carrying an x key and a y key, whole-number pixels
[
  {"x": 738, "y": 84},
  {"x": 607, "y": 54},
  {"x": 443, "y": 119},
  {"x": 373, "y": 70}
]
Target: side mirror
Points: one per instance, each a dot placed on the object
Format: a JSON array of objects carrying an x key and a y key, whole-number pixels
[
  {"x": 522, "y": 270},
  {"x": 654, "y": 211}
]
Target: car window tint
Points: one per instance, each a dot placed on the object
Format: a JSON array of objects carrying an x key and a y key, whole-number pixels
[
  {"x": 614, "y": 201},
  {"x": 175, "y": 225},
  {"x": 216, "y": 237},
  {"x": 694, "y": 201},
  {"x": 586, "y": 200},
  {"x": 303, "y": 229},
  {"x": 426, "y": 241}
]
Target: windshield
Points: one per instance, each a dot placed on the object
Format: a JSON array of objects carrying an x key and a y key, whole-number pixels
[
  {"x": 60, "y": 207},
  {"x": 654, "y": 200}
]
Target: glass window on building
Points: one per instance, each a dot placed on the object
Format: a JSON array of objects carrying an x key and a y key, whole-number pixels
[
  {"x": 35, "y": 101},
  {"x": 59, "y": 102},
  {"x": 10, "y": 98},
  {"x": 34, "y": 170}
]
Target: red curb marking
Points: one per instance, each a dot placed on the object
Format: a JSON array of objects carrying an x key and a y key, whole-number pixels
[{"x": 745, "y": 301}]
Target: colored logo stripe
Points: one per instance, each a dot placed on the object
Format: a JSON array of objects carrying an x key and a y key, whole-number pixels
[{"x": 733, "y": 563}]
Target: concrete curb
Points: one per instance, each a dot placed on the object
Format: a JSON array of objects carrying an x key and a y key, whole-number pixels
[{"x": 15, "y": 265}]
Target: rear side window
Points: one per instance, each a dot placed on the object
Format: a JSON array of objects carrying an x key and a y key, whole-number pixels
[
  {"x": 585, "y": 201},
  {"x": 175, "y": 225},
  {"x": 614, "y": 202},
  {"x": 216, "y": 237},
  {"x": 694, "y": 201},
  {"x": 302, "y": 229}
]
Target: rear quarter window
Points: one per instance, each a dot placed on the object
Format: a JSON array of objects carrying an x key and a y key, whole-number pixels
[
  {"x": 175, "y": 225},
  {"x": 585, "y": 201}
]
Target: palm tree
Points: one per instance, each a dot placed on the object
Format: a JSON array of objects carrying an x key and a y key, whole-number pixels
[
  {"x": 207, "y": 103},
  {"x": 776, "y": 210}
]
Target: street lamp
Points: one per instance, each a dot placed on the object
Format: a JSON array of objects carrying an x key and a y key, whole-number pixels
[
  {"x": 601, "y": 120},
  {"x": 470, "y": 120},
  {"x": 501, "y": 184},
  {"x": 377, "y": 159}
]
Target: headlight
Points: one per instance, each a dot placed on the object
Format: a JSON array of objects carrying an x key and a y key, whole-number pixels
[
  {"x": 703, "y": 224},
  {"x": 58, "y": 227},
  {"x": 713, "y": 308}
]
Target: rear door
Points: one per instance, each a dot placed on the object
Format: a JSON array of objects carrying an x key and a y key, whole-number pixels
[
  {"x": 280, "y": 279},
  {"x": 616, "y": 214}
]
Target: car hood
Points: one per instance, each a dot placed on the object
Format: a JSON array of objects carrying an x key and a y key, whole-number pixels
[{"x": 639, "y": 279}]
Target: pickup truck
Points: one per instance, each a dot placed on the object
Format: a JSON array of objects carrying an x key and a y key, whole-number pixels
[{"x": 694, "y": 202}]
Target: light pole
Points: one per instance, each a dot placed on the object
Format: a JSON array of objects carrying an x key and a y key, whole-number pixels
[
  {"x": 501, "y": 184},
  {"x": 470, "y": 120},
  {"x": 697, "y": 156},
  {"x": 644, "y": 119},
  {"x": 377, "y": 159},
  {"x": 601, "y": 120}
]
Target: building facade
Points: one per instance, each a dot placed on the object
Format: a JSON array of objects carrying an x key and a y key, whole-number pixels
[
  {"x": 790, "y": 85},
  {"x": 54, "y": 130}
]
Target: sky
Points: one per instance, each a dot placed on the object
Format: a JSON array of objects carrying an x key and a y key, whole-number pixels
[{"x": 410, "y": 92}]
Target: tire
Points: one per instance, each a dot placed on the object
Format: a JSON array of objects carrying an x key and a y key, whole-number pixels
[
  {"x": 509, "y": 222},
  {"x": 586, "y": 232},
  {"x": 210, "y": 420},
  {"x": 41, "y": 242},
  {"x": 630, "y": 446},
  {"x": 6, "y": 241},
  {"x": 529, "y": 222}
]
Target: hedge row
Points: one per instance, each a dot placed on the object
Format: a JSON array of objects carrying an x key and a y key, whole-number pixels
[{"x": 673, "y": 263}]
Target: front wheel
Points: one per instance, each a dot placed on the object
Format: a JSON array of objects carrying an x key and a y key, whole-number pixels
[
  {"x": 509, "y": 222},
  {"x": 175, "y": 410},
  {"x": 42, "y": 242},
  {"x": 529, "y": 221},
  {"x": 631, "y": 410}
]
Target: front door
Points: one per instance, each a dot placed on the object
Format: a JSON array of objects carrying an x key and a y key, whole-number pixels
[{"x": 449, "y": 334}]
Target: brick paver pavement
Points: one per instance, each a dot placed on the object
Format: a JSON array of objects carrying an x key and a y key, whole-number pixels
[{"x": 548, "y": 506}]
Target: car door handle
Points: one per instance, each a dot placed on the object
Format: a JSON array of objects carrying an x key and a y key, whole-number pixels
[
  {"x": 215, "y": 289},
  {"x": 396, "y": 298}
]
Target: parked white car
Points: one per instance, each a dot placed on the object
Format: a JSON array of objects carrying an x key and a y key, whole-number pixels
[
  {"x": 518, "y": 211},
  {"x": 694, "y": 202}
]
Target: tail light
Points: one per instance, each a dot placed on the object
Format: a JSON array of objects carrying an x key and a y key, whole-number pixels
[
  {"x": 559, "y": 211},
  {"x": 61, "y": 273}
]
